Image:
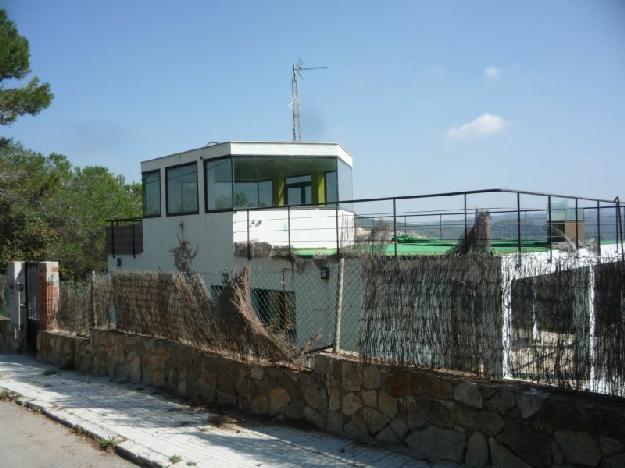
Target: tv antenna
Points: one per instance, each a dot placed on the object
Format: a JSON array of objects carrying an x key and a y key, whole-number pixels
[{"x": 298, "y": 68}]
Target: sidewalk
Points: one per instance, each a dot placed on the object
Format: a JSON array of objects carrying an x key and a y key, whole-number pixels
[{"x": 152, "y": 430}]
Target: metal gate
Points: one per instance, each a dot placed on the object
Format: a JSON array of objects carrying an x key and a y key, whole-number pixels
[{"x": 31, "y": 306}]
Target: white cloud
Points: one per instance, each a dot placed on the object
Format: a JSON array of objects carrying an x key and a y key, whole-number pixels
[
  {"x": 485, "y": 125},
  {"x": 492, "y": 73}
]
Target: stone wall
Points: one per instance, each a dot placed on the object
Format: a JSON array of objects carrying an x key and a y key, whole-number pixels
[
  {"x": 431, "y": 415},
  {"x": 10, "y": 341}
]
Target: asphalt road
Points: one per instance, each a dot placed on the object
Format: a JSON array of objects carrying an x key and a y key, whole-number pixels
[{"x": 30, "y": 440}]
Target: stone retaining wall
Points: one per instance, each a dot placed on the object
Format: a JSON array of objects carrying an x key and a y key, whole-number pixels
[{"x": 431, "y": 415}]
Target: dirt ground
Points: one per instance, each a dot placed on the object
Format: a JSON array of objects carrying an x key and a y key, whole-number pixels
[{"x": 30, "y": 440}]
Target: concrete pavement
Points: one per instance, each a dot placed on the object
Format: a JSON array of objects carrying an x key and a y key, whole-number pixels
[
  {"x": 153, "y": 430},
  {"x": 29, "y": 440}
]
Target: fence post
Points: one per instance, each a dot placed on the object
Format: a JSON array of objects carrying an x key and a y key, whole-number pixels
[
  {"x": 339, "y": 306},
  {"x": 112, "y": 239},
  {"x": 288, "y": 228},
  {"x": 134, "y": 252},
  {"x": 518, "y": 225},
  {"x": 599, "y": 228},
  {"x": 93, "y": 306},
  {"x": 395, "y": 224},
  {"x": 249, "y": 251},
  {"x": 338, "y": 243}
]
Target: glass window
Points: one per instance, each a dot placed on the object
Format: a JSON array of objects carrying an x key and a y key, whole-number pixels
[
  {"x": 269, "y": 181},
  {"x": 331, "y": 187},
  {"x": 298, "y": 190},
  {"x": 218, "y": 184},
  {"x": 345, "y": 181},
  {"x": 182, "y": 189},
  {"x": 151, "y": 182}
]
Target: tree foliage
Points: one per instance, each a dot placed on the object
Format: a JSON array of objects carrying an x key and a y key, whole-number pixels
[
  {"x": 52, "y": 210},
  {"x": 15, "y": 65}
]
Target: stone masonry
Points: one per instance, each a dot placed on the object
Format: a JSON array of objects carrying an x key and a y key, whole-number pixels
[{"x": 430, "y": 415}]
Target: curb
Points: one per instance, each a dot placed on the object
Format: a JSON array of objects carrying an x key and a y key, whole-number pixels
[{"x": 126, "y": 449}]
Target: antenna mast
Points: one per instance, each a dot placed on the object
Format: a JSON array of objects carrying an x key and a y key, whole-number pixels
[{"x": 298, "y": 68}]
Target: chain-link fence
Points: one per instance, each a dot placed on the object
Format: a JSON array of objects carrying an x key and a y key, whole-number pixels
[{"x": 557, "y": 319}]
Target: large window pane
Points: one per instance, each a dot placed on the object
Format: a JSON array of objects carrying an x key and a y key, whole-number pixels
[
  {"x": 268, "y": 181},
  {"x": 345, "y": 181},
  {"x": 182, "y": 189},
  {"x": 218, "y": 184},
  {"x": 151, "y": 193},
  {"x": 331, "y": 187}
]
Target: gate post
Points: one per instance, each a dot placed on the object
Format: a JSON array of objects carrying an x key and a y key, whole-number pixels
[{"x": 48, "y": 295}]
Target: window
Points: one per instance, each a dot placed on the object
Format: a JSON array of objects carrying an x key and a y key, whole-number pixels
[
  {"x": 151, "y": 182},
  {"x": 253, "y": 194},
  {"x": 298, "y": 190},
  {"x": 181, "y": 189},
  {"x": 331, "y": 187},
  {"x": 218, "y": 184},
  {"x": 345, "y": 183}
]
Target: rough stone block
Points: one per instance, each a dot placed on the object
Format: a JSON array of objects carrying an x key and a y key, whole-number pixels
[
  {"x": 469, "y": 394},
  {"x": 278, "y": 400},
  {"x": 372, "y": 379},
  {"x": 501, "y": 457},
  {"x": 388, "y": 435},
  {"x": 610, "y": 446},
  {"x": 578, "y": 447},
  {"x": 477, "y": 450},
  {"x": 530, "y": 402},
  {"x": 374, "y": 420},
  {"x": 334, "y": 403},
  {"x": 335, "y": 422},
  {"x": 425, "y": 385},
  {"x": 351, "y": 376},
  {"x": 481, "y": 421},
  {"x": 437, "y": 444},
  {"x": 356, "y": 428},
  {"x": 501, "y": 401},
  {"x": 530, "y": 445},
  {"x": 369, "y": 398},
  {"x": 387, "y": 404},
  {"x": 351, "y": 404}
]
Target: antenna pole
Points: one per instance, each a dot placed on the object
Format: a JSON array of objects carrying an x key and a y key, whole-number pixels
[{"x": 298, "y": 68}]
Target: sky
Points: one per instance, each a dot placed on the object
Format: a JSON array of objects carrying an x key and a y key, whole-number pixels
[{"x": 426, "y": 96}]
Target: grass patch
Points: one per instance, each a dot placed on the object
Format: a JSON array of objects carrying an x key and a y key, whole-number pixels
[
  {"x": 107, "y": 444},
  {"x": 191, "y": 463},
  {"x": 175, "y": 459}
]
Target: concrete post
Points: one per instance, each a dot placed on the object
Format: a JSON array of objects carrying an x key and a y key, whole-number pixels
[{"x": 48, "y": 295}]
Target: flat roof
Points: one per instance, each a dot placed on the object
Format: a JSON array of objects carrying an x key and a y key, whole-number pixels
[{"x": 250, "y": 148}]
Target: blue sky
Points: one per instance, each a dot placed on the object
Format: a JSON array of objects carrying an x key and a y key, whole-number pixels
[{"x": 427, "y": 96}]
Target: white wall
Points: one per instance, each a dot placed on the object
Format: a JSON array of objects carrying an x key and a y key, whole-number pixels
[
  {"x": 310, "y": 228},
  {"x": 209, "y": 233}
]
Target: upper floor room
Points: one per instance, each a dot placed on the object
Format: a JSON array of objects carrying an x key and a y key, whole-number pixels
[{"x": 244, "y": 175}]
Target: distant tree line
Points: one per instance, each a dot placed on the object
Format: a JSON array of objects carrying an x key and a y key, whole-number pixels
[{"x": 52, "y": 210}]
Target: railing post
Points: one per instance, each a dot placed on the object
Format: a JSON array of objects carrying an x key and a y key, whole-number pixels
[
  {"x": 440, "y": 226},
  {"x": 599, "y": 228},
  {"x": 576, "y": 227},
  {"x": 395, "y": 224},
  {"x": 549, "y": 227},
  {"x": 518, "y": 225},
  {"x": 465, "y": 224},
  {"x": 249, "y": 249}
]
